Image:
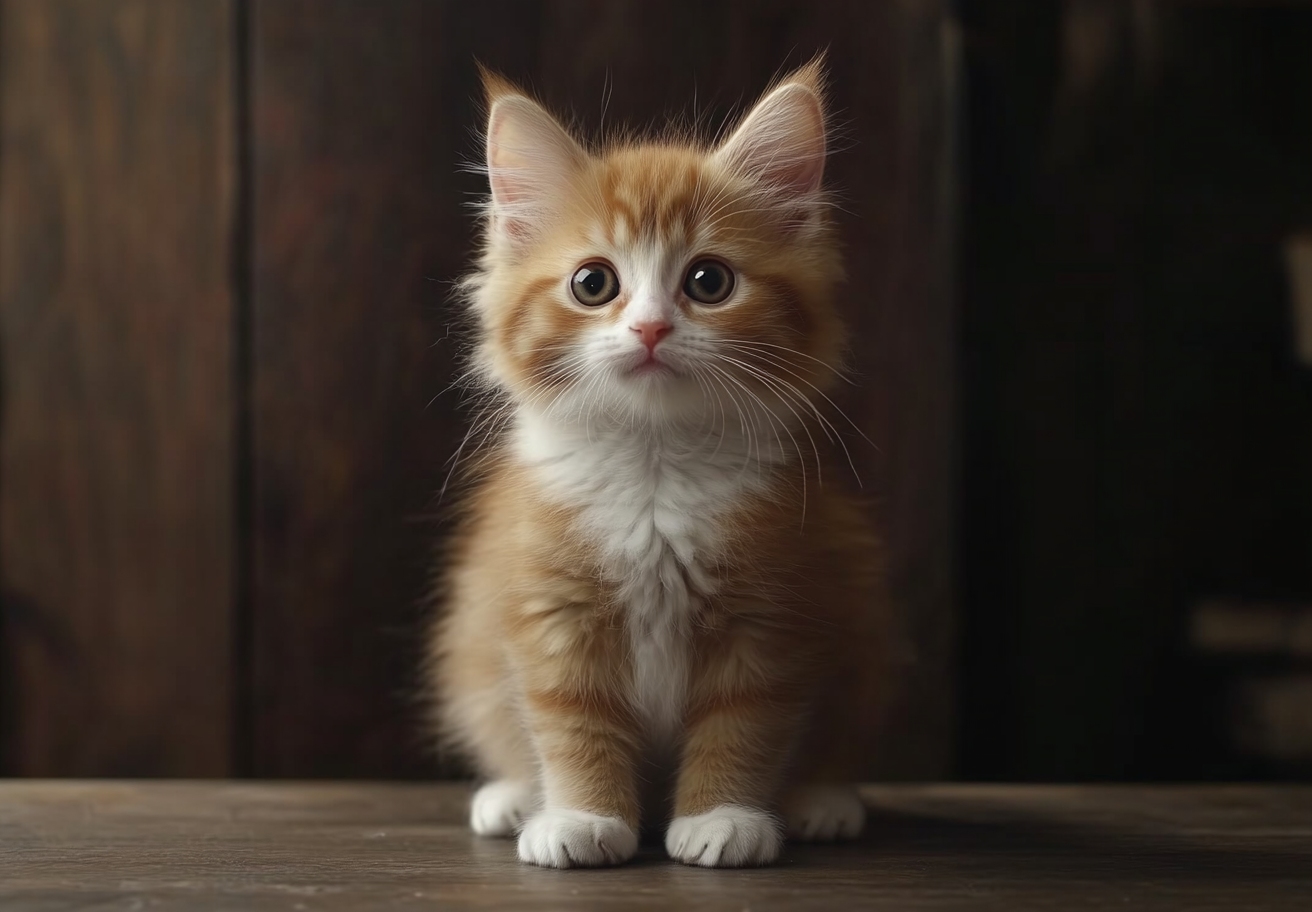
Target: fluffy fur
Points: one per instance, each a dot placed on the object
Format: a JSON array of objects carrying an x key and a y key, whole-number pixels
[{"x": 658, "y": 580}]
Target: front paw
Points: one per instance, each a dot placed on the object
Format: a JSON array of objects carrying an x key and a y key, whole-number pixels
[
  {"x": 824, "y": 813},
  {"x": 728, "y": 836},
  {"x": 565, "y": 838},
  {"x": 499, "y": 807}
]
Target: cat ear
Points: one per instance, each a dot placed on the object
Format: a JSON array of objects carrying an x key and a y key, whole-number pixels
[
  {"x": 529, "y": 158},
  {"x": 781, "y": 143}
]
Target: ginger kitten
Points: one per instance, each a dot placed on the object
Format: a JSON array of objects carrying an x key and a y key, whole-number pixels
[{"x": 658, "y": 582}]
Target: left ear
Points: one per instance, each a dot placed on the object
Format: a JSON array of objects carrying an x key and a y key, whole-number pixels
[
  {"x": 781, "y": 143},
  {"x": 530, "y": 157}
]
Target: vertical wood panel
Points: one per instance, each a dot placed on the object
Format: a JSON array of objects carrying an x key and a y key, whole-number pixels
[
  {"x": 116, "y": 179},
  {"x": 360, "y": 120},
  {"x": 359, "y": 225}
]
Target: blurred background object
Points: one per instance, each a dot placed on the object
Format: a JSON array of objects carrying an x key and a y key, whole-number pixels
[{"x": 1077, "y": 243}]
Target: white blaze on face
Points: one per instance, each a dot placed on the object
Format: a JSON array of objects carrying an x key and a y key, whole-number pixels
[{"x": 648, "y": 292}]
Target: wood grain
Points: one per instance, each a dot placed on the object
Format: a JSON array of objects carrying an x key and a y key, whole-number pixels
[
  {"x": 335, "y": 847},
  {"x": 116, "y": 200},
  {"x": 359, "y": 226},
  {"x": 359, "y": 124}
]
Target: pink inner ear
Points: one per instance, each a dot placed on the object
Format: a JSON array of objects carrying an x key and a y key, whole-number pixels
[
  {"x": 804, "y": 170},
  {"x": 506, "y": 193}
]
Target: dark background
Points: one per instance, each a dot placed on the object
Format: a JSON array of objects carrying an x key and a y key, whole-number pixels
[
  {"x": 1138, "y": 431},
  {"x": 227, "y": 233}
]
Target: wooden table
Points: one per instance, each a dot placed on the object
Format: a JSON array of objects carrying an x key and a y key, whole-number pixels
[{"x": 306, "y": 846}]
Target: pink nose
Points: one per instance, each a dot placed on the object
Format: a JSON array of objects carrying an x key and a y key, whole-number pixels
[{"x": 652, "y": 332}]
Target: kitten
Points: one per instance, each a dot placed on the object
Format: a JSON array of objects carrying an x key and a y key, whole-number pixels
[{"x": 651, "y": 577}]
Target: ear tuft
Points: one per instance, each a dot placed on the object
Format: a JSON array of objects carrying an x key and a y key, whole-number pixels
[
  {"x": 781, "y": 142},
  {"x": 494, "y": 84}
]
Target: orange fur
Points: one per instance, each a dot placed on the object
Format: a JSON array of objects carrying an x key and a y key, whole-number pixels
[{"x": 702, "y": 547}]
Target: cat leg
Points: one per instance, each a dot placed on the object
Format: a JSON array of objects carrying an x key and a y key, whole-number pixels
[
  {"x": 479, "y": 716},
  {"x": 821, "y": 803},
  {"x": 740, "y": 726},
  {"x": 585, "y": 737},
  {"x": 494, "y": 730}
]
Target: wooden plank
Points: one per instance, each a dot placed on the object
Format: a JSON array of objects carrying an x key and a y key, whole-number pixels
[
  {"x": 360, "y": 120},
  {"x": 336, "y": 847},
  {"x": 116, "y": 187}
]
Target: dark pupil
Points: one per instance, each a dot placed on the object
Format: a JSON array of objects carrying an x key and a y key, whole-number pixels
[
  {"x": 709, "y": 280},
  {"x": 594, "y": 282}
]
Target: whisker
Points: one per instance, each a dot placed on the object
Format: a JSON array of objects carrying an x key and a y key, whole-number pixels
[
  {"x": 825, "y": 423},
  {"x": 752, "y": 343},
  {"x": 779, "y": 387},
  {"x": 750, "y": 431},
  {"x": 775, "y": 424},
  {"x": 784, "y": 366}
]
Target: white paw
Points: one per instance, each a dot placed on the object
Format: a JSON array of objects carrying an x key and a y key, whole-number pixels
[
  {"x": 499, "y": 807},
  {"x": 727, "y": 837},
  {"x": 823, "y": 813},
  {"x": 563, "y": 838}
]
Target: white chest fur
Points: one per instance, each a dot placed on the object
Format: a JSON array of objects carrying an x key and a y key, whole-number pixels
[{"x": 653, "y": 503}]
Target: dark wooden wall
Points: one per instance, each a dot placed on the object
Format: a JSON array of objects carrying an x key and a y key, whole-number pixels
[
  {"x": 227, "y": 232},
  {"x": 117, "y": 507}
]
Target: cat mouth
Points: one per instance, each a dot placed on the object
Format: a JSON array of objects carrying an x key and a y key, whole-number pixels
[
  {"x": 647, "y": 368},
  {"x": 651, "y": 366}
]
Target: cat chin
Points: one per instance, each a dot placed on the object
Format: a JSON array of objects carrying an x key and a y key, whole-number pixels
[
  {"x": 652, "y": 379},
  {"x": 627, "y": 399},
  {"x": 663, "y": 393}
]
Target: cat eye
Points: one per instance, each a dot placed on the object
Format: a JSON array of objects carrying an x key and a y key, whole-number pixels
[
  {"x": 595, "y": 284},
  {"x": 708, "y": 282}
]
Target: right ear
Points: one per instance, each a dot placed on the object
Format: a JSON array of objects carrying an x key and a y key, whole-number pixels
[
  {"x": 530, "y": 159},
  {"x": 781, "y": 142}
]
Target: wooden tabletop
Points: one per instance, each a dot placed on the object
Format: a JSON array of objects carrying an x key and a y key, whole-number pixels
[{"x": 329, "y": 846}]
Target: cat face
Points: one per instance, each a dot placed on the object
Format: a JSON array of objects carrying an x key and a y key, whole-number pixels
[{"x": 659, "y": 278}]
